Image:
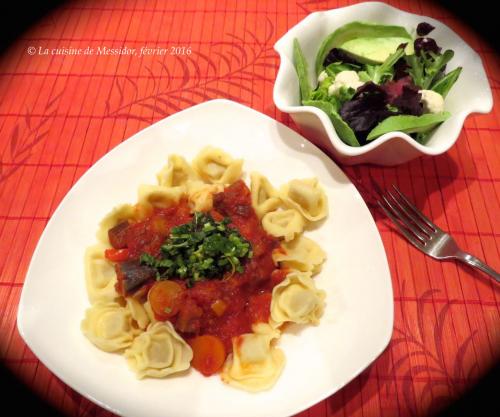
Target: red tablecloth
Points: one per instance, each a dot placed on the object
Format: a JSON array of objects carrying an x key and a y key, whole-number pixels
[{"x": 62, "y": 112}]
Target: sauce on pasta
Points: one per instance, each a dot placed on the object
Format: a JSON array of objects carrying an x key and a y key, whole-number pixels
[{"x": 225, "y": 307}]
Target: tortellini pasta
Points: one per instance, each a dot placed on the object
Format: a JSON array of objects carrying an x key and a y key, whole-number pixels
[
  {"x": 149, "y": 312},
  {"x": 138, "y": 312},
  {"x": 159, "y": 352},
  {"x": 213, "y": 165},
  {"x": 176, "y": 173},
  {"x": 159, "y": 195},
  {"x": 297, "y": 299},
  {"x": 200, "y": 195},
  {"x": 283, "y": 223},
  {"x": 109, "y": 326},
  {"x": 302, "y": 254},
  {"x": 307, "y": 197},
  {"x": 264, "y": 197},
  {"x": 269, "y": 328},
  {"x": 100, "y": 276},
  {"x": 255, "y": 364}
]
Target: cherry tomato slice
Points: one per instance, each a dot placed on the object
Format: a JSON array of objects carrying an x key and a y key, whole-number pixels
[{"x": 116, "y": 255}]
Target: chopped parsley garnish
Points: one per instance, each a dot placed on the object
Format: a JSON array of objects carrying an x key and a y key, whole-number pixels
[{"x": 200, "y": 250}]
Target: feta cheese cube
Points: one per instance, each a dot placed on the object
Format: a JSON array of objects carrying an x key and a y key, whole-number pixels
[
  {"x": 432, "y": 102},
  {"x": 345, "y": 79}
]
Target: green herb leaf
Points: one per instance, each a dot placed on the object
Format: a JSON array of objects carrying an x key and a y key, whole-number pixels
[{"x": 199, "y": 250}]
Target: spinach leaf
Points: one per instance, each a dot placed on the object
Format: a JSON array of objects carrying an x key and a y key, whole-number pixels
[
  {"x": 427, "y": 67},
  {"x": 333, "y": 69},
  {"x": 364, "y": 76},
  {"x": 408, "y": 124},
  {"x": 345, "y": 133},
  {"x": 443, "y": 86},
  {"x": 345, "y": 94},
  {"x": 301, "y": 68},
  {"x": 321, "y": 94},
  {"x": 384, "y": 72}
]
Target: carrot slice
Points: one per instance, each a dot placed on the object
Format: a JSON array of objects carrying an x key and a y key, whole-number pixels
[
  {"x": 209, "y": 354},
  {"x": 165, "y": 298},
  {"x": 219, "y": 307}
]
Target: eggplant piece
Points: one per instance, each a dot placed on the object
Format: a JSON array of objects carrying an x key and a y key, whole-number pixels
[
  {"x": 188, "y": 318},
  {"x": 118, "y": 235},
  {"x": 131, "y": 275}
]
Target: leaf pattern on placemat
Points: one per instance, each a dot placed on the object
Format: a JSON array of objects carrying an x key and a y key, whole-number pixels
[
  {"x": 24, "y": 138},
  {"x": 227, "y": 70},
  {"x": 426, "y": 343},
  {"x": 309, "y": 6}
]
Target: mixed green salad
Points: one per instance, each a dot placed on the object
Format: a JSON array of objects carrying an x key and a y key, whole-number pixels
[{"x": 374, "y": 79}]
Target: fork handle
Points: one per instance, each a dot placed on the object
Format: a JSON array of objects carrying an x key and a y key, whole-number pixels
[{"x": 477, "y": 263}]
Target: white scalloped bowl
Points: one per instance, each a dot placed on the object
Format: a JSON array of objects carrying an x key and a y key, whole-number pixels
[{"x": 470, "y": 94}]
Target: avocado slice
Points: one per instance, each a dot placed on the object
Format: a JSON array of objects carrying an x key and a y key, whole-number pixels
[
  {"x": 374, "y": 50},
  {"x": 369, "y": 43}
]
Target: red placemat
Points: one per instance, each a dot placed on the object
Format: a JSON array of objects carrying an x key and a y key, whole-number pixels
[{"x": 61, "y": 111}]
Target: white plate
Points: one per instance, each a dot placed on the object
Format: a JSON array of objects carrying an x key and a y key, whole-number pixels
[
  {"x": 354, "y": 330},
  {"x": 470, "y": 94}
]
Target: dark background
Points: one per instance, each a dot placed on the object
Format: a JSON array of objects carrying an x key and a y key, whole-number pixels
[{"x": 483, "y": 400}]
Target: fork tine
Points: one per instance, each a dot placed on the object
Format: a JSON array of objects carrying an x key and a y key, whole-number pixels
[
  {"x": 417, "y": 221},
  {"x": 411, "y": 238},
  {"x": 417, "y": 212},
  {"x": 403, "y": 220}
]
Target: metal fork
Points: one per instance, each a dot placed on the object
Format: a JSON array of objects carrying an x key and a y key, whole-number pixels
[{"x": 423, "y": 233}]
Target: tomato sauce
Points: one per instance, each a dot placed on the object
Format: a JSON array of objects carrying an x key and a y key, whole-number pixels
[
  {"x": 225, "y": 307},
  {"x": 148, "y": 235}
]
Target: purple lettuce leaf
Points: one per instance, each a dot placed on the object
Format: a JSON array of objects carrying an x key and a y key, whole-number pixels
[
  {"x": 400, "y": 69},
  {"x": 424, "y": 28},
  {"x": 373, "y": 103},
  {"x": 408, "y": 102},
  {"x": 425, "y": 45},
  {"x": 404, "y": 95},
  {"x": 366, "y": 109}
]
